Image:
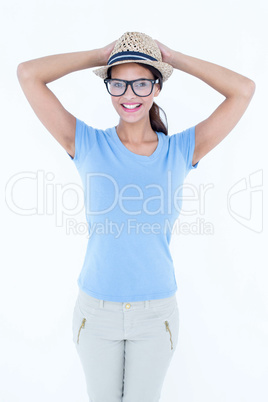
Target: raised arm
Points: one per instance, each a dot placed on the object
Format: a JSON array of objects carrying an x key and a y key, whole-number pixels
[
  {"x": 34, "y": 75},
  {"x": 237, "y": 89}
]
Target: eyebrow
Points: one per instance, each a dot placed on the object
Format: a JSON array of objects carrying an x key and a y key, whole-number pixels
[{"x": 142, "y": 78}]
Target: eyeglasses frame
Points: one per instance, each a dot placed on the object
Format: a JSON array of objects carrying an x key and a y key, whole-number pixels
[{"x": 106, "y": 81}]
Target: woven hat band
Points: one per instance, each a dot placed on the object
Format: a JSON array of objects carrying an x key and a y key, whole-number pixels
[{"x": 129, "y": 56}]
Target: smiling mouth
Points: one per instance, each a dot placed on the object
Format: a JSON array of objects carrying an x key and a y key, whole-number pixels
[{"x": 131, "y": 106}]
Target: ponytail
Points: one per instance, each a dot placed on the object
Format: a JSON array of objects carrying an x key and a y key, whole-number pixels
[{"x": 157, "y": 123}]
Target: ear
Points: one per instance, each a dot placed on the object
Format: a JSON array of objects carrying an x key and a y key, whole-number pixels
[{"x": 157, "y": 90}]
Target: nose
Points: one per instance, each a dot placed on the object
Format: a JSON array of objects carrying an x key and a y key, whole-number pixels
[{"x": 129, "y": 92}]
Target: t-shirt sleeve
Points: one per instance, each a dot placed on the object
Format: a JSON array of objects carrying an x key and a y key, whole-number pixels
[
  {"x": 186, "y": 144},
  {"x": 85, "y": 138}
]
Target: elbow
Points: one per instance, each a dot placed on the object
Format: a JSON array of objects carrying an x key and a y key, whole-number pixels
[
  {"x": 20, "y": 71},
  {"x": 23, "y": 71},
  {"x": 245, "y": 90},
  {"x": 249, "y": 89}
]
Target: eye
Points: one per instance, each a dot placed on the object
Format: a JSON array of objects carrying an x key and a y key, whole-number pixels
[
  {"x": 142, "y": 84},
  {"x": 117, "y": 84}
]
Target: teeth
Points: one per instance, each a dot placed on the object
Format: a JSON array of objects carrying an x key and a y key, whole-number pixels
[{"x": 131, "y": 106}]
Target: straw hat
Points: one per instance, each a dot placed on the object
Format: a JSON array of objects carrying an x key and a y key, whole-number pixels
[{"x": 139, "y": 48}]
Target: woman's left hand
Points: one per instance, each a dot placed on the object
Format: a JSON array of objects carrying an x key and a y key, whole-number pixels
[{"x": 166, "y": 52}]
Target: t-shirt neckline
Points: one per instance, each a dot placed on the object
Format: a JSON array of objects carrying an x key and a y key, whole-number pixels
[{"x": 133, "y": 155}]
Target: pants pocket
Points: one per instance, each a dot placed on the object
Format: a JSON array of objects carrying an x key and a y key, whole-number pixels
[
  {"x": 169, "y": 319},
  {"x": 77, "y": 320},
  {"x": 81, "y": 327},
  {"x": 168, "y": 330},
  {"x": 83, "y": 315}
]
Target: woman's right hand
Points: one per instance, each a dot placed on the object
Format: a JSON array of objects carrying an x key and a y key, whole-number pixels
[{"x": 105, "y": 52}]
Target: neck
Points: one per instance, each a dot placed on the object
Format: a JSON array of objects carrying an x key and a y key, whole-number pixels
[{"x": 135, "y": 133}]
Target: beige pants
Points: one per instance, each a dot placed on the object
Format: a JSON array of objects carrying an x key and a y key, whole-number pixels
[{"x": 125, "y": 348}]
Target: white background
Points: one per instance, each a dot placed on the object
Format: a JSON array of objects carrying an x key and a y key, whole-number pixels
[{"x": 222, "y": 293}]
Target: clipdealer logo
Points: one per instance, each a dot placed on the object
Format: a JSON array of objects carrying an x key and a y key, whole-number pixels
[
  {"x": 245, "y": 201},
  {"x": 48, "y": 198}
]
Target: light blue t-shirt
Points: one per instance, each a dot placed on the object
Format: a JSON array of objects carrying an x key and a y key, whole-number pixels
[{"x": 131, "y": 203}]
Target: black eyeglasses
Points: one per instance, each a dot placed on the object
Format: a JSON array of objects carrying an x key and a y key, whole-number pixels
[{"x": 141, "y": 87}]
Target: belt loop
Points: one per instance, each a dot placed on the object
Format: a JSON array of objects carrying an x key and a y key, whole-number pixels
[
  {"x": 101, "y": 303},
  {"x": 147, "y": 303}
]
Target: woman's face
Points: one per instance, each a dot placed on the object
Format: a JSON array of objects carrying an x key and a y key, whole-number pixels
[{"x": 129, "y": 72}]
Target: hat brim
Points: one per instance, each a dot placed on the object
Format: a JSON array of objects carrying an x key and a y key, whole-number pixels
[{"x": 165, "y": 69}]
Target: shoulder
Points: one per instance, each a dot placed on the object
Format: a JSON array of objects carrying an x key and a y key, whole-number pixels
[
  {"x": 83, "y": 125},
  {"x": 86, "y": 131},
  {"x": 181, "y": 135}
]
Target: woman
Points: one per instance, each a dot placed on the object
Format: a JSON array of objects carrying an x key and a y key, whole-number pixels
[{"x": 126, "y": 319}]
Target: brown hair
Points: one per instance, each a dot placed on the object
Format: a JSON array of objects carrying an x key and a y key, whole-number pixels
[{"x": 156, "y": 121}]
